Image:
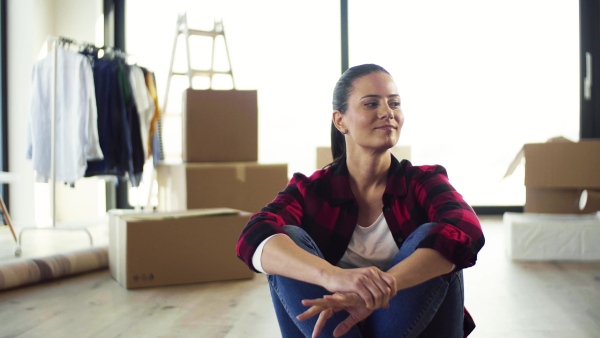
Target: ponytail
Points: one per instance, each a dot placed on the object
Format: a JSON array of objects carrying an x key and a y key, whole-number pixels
[
  {"x": 338, "y": 145},
  {"x": 341, "y": 92}
]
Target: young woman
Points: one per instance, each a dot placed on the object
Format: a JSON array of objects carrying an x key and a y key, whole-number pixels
[{"x": 368, "y": 246}]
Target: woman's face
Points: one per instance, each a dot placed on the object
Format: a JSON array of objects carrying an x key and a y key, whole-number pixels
[{"x": 373, "y": 118}]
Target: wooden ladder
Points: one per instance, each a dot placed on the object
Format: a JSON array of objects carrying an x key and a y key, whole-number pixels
[
  {"x": 182, "y": 28},
  {"x": 6, "y": 217}
]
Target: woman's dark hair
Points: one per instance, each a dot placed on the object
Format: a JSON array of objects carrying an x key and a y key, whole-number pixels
[{"x": 341, "y": 92}]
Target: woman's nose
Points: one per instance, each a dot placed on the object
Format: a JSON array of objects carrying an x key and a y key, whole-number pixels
[{"x": 386, "y": 113}]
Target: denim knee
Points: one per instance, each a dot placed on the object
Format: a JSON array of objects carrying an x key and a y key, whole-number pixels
[
  {"x": 419, "y": 234},
  {"x": 412, "y": 241},
  {"x": 302, "y": 239}
]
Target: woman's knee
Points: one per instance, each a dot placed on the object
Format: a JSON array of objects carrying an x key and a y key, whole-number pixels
[
  {"x": 412, "y": 241},
  {"x": 421, "y": 232},
  {"x": 302, "y": 239}
]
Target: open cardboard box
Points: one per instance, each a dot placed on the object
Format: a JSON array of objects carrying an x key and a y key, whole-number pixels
[
  {"x": 181, "y": 247},
  {"x": 557, "y": 173}
]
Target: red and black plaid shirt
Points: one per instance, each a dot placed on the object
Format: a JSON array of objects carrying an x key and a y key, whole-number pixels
[{"x": 324, "y": 206}]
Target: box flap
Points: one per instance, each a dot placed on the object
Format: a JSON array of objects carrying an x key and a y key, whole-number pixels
[
  {"x": 521, "y": 154},
  {"x": 515, "y": 163},
  {"x": 182, "y": 214}
]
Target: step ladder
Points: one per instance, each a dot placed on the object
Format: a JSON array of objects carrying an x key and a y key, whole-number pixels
[{"x": 182, "y": 28}]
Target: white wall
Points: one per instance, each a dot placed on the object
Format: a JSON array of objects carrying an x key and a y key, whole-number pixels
[
  {"x": 76, "y": 19},
  {"x": 29, "y": 23}
]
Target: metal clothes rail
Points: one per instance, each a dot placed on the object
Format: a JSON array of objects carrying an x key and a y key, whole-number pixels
[{"x": 56, "y": 41}]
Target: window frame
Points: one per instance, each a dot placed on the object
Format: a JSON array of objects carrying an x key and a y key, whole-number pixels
[
  {"x": 589, "y": 42},
  {"x": 4, "y": 189}
]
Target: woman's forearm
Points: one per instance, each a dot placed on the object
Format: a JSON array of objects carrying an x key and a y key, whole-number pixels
[
  {"x": 419, "y": 267},
  {"x": 281, "y": 256}
]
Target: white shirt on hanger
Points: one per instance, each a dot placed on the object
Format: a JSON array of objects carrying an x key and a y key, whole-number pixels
[{"x": 76, "y": 117}]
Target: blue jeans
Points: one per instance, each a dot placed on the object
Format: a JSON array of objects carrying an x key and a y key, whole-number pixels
[{"x": 434, "y": 308}]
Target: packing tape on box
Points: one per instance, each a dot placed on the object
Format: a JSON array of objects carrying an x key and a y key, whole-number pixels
[
  {"x": 240, "y": 172},
  {"x": 589, "y": 201}
]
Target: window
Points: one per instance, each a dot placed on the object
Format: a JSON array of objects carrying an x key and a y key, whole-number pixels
[{"x": 478, "y": 79}]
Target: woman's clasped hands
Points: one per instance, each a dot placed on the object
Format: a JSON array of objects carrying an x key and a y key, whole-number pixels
[{"x": 357, "y": 291}]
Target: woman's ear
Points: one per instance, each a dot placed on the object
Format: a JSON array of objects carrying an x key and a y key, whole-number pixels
[{"x": 338, "y": 121}]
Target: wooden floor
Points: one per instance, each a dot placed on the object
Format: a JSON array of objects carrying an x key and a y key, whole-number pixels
[{"x": 506, "y": 299}]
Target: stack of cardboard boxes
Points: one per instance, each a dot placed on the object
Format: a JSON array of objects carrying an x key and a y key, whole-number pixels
[
  {"x": 561, "y": 219},
  {"x": 220, "y": 154},
  {"x": 204, "y": 201}
]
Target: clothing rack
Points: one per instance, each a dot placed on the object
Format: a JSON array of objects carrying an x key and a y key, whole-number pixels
[
  {"x": 56, "y": 41},
  {"x": 101, "y": 52}
]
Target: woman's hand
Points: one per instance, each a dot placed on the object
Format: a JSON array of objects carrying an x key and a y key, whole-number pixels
[
  {"x": 372, "y": 285},
  {"x": 330, "y": 304}
]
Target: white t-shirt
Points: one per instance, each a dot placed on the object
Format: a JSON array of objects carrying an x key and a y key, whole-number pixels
[{"x": 369, "y": 246}]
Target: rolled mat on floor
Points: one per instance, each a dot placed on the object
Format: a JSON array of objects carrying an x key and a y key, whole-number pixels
[{"x": 41, "y": 269}]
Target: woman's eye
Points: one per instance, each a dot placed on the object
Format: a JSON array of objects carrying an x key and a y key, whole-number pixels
[
  {"x": 371, "y": 104},
  {"x": 395, "y": 104}
]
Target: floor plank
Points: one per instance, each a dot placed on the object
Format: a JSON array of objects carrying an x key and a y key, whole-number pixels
[{"x": 506, "y": 299}]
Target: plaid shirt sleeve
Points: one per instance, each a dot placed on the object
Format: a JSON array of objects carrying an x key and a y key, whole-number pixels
[
  {"x": 285, "y": 209},
  {"x": 458, "y": 235}
]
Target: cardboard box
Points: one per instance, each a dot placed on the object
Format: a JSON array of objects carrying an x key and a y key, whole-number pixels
[
  {"x": 551, "y": 237},
  {"x": 556, "y": 173},
  {"x": 220, "y": 125},
  {"x": 243, "y": 185},
  {"x": 158, "y": 249},
  {"x": 324, "y": 155}
]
